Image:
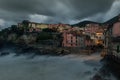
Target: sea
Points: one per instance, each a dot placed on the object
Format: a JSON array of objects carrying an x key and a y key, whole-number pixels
[{"x": 46, "y": 67}]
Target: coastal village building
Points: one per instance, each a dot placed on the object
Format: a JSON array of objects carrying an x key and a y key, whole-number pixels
[
  {"x": 91, "y": 28},
  {"x": 116, "y": 29},
  {"x": 116, "y": 36},
  {"x": 116, "y": 46},
  {"x": 63, "y": 27},
  {"x": 32, "y": 26},
  {"x": 113, "y": 47},
  {"x": 112, "y": 40},
  {"x": 99, "y": 38},
  {"x": 69, "y": 39},
  {"x": 75, "y": 38},
  {"x": 37, "y": 25},
  {"x": 59, "y": 27},
  {"x": 95, "y": 31}
]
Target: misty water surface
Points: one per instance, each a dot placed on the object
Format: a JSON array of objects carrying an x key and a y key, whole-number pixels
[{"x": 70, "y": 67}]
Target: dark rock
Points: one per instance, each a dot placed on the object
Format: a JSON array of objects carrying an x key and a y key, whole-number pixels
[
  {"x": 4, "y": 53},
  {"x": 97, "y": 77},
  {"x": 16, "y": 55},
  {"x": 1, "y": 44}
]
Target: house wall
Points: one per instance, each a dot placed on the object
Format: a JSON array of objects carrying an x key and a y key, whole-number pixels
[
  {"x": 91, "y": 28},
  {"x": 88, "y": 43},
  {"x": 106, "y": 40},
  {"x": 114, "y": 49},
  {"x": 99, "y": 39},
  {"x": 116, "y": 29},
  {"x": 81, "y": 41},
  {"x": 42, "y": 26},
  {"x": 69, "y": 40},
  {"x": 95, "y": 31},
  {"x": 36, "y": 25},
  {"x": 73, "y": 40}
]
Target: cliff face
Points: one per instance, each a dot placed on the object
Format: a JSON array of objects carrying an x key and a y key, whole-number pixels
[
  {"x": 26, "y": 39},
  {"x": 20, "y": 37},
  {"x": 23, "y": 39}
]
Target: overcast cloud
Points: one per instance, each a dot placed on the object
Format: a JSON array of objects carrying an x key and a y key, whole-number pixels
[{"x": 57, "y": 11}]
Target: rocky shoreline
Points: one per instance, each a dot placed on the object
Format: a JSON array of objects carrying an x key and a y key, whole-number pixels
[{"x": 37, "y": 49}]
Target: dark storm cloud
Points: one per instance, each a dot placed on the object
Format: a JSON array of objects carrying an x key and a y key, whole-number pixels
[{"x": 59, "y": 10}]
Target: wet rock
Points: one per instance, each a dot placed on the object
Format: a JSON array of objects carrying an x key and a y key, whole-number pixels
[
  {"x": 4, "y": 53},
  {"x": 97, "y": 77},
  {"x": 31, "y": 56},
  {"x": 16, "y": 55},
  {"x": 88, "y": 73},
  {"x": 104, "y": 72},
  {"x": 95, "y": 69}
]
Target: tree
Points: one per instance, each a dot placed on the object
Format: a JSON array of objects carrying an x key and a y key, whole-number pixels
[
  {"x": 25, "y": 25},
  {"x": 14, "y": 28},
  {"x": 48, "y": 30},
  {"x": 25, "y": 22},
  {"x": 44, "y": 36}
]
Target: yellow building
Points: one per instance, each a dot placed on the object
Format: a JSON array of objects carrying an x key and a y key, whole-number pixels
[
  {"x": 37, "y": 25},
  {"x": 62, "y": 27},
  {"x": 34, "y": 25}
]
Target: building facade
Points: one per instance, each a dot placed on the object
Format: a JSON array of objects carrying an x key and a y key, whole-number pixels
[
  {"x": 112, "y": 41},
  {"x": 95, "y": 31},
  {"x": 69, "y": 39},
  {"x": 59, "y": 27},
  {"x": 75, "y": 39},
  {"x": 116, "y": 29}
]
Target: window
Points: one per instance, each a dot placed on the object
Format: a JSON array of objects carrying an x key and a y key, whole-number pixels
[
  {"x": 76, "y": 41},
  {"x": 118, "y": 48},
  {"x": 71, "y": 39},
  {"x": 100, "y": 38}
]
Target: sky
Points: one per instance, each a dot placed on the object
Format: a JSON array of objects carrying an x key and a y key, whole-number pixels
[{"x": 57, "y": 11}]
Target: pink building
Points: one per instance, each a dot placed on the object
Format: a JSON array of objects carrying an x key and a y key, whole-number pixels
[
  {"x": 92, "y": 28},
  {"x": 69, "y": 39},
  {"x": 116, "y": 29},
  {"x": 59, "y": 27},
  {"x": 73, "y": 39}
]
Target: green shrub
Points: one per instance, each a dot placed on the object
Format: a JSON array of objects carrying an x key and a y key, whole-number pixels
[{"x": 44, "y": 36}]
